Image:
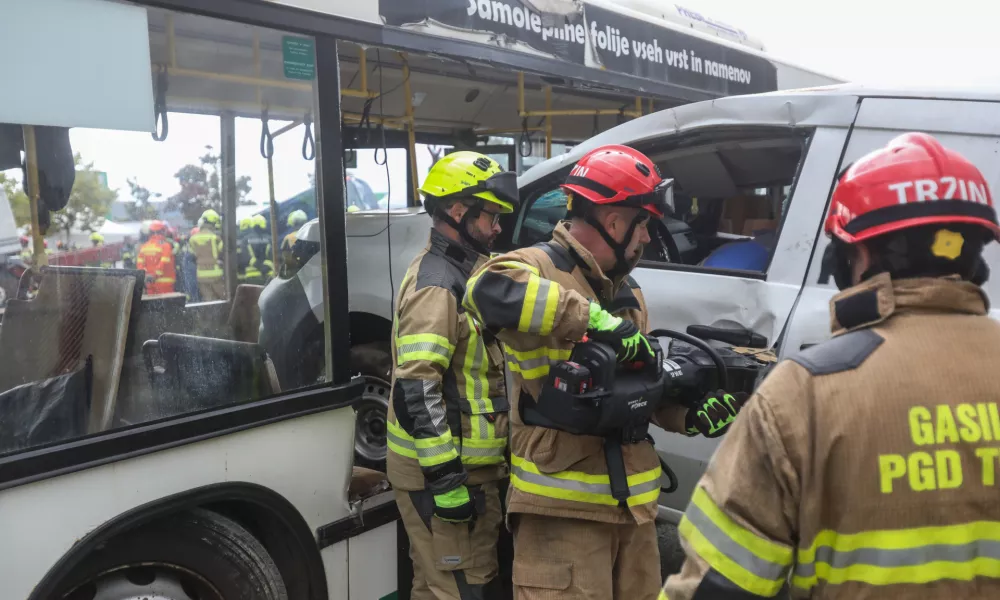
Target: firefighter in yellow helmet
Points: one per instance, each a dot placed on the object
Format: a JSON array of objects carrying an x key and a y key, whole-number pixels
[
  {"x": 261, "y": 267},
  {"x": 447, "y": 422},
  {"x": 96, "y": 239},
  {"x": 289, "y": 263},
  {"x": 243, "y": 251},
  {"x": 207, "y": 248}
]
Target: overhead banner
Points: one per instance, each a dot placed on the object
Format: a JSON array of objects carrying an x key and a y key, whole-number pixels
[
  {"x": 594, "y": 37},
  {"x": 511, "y": 21}
]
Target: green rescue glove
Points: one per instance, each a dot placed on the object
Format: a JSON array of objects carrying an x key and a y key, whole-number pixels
[
  {"x": 621, "y": 334},
  {"x": 454, "y": 506},
  {"x": 715, "y": 414}
]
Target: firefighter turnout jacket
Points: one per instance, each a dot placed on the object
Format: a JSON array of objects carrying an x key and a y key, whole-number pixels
[
  {"x": 538, "y": 300},
  {"x": 865, "y": 466},
  {"x": 156, "y": 258},
  {"x": 447, "y": 422}
]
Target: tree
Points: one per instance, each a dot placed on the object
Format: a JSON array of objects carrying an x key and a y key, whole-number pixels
[
  {"x": 19, "y": 203},
  {"x": 201, "y": 188},
  {"x": 89, "y": 201},
  {"x": 141, "y": 209}
]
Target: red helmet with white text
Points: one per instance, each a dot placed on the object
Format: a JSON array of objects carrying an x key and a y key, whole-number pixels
[
  {"x": 912, "y": 181},
  {"x": 620, "y": 175}
]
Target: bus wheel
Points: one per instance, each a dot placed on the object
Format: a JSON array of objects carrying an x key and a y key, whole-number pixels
[
  {"x": 374, "y": 363},
  {"x": 193, "y": 555}
]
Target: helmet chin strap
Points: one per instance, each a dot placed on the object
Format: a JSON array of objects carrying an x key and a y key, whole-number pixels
[
  {"x": 622, "y": 266},
  {"x": 462, "y": 227}
]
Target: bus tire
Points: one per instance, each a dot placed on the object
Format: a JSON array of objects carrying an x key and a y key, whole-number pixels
[
  {"x": 192, "y": 554},
  {"x": 373, "y": 361}
]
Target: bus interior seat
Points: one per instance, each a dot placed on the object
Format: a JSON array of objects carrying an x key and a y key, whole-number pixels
[
  {"x": 47, "y": 411},
  {"x": 244, "y": 315},
  {"x": 157, "y": 314},
  {"x": 191, "y": 373},
  {"x": 78, "y": 313}
]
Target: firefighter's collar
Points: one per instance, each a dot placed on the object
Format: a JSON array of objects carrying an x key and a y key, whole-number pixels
[
  {"x": 458, "y": 254},
  {"x": 586, "y": 261},
  {"x": 880, "y": 297}
]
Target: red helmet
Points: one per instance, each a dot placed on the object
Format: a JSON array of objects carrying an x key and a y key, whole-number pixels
[
  {"x": 157, "y": 227},
  {"x": 620, "y": 175},
  {"x": 913, "y": 181}
]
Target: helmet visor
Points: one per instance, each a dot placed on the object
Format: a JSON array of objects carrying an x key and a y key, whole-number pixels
[
  {"x": 660, "y": 201},
  {"x": 502, "y": 185}
]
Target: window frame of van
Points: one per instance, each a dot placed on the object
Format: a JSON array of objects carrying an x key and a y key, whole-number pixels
[
  {"x": 60, "y": 458},
  {"x": 552, "y": 181}
]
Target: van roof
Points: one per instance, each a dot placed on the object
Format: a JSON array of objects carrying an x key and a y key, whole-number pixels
[{"x": 831, "y": 106}]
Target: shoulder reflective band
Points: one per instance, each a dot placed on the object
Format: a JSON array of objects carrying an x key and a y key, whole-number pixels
[
  {"x": 424, "y": 346},
  {"x": 757, "y": 565},
  {"x": 575, "y": 486},
  {"x": 901, "y": 556},
  {"x": 534, "y": 364}
]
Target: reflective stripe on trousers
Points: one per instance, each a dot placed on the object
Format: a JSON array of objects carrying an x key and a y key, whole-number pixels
[
  {"x": 643, "y": 487},
  {"x": 901, "y": 556},
  {"x": 748, "y": 560}
]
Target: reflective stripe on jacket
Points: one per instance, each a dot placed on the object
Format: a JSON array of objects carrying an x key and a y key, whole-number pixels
[
  {"x": 865, "y": 466},
  {"x": 207, "y": 248},
  {"x": 538, "y": 299},
  {"x": 447, "y": 421}
]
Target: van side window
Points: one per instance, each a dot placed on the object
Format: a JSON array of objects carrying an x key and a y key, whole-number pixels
[{"x": 730, "y": 197}]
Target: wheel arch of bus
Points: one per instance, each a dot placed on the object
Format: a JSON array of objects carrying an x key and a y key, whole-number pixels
[{"x": 266, "y": 514}]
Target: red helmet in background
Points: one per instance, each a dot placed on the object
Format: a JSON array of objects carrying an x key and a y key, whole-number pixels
[
  {"x": 157, "y": 228},
  {"x": 620, "y": 175},
  {"x": 913, "y": 181}
]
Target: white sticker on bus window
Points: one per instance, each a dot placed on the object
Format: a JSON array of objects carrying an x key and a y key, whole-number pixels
[{"x": 76, "y": 63}]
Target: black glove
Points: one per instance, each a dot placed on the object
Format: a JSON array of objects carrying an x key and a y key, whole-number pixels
[
  {"x": 454, "y": 506},
  {"x": 621, "y": 334},
  {"x": 716, "y": 412}
]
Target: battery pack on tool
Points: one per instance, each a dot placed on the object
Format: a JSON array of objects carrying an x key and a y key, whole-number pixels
[{"x": 570, "y": 377}]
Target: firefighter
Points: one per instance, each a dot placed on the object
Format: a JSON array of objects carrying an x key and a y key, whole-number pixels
[
  {"x": 128, "y": 253},
  {"x": 156, "y": 258},
  {"x": 207, "y": 248},
  {"x": 864, "y": 466},
  {"x": 289, "y": 263},
  {"x": 582, "y": 507},
  {"x": 447, "y": 422},
  {"x": 26, "y": 254},
  {"x": 243, "y": 252},
  {"x": 261, "y": 268},
  {"x": 96, "y": 239}
]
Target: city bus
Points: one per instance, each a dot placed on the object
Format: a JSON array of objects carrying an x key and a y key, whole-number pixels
[{"x": 150, "y": 445}]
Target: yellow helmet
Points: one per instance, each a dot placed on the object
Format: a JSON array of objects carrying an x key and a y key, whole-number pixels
[
  {"x": 96, "y": 237},
  {"x": 297, "y": 218},
  {"x": 246, "y": 223},
  {"x": 465, "y": 174},
  {"x": 259, "y": 222},
  {"x": 210, "y": 217}
]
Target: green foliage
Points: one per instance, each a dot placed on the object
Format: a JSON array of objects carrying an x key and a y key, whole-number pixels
[
  {"x": 19, "y": 203},
  {"x": 141, "y": 209},
  {"x": 201, "y": 188}
]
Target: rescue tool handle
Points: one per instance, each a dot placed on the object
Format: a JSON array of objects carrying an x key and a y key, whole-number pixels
[
  {"x": 746, "y": 337},
  {"x": 690, "y": 339}
]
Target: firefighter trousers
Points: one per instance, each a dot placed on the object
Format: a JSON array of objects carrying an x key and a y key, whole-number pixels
[
  {"x": 452, "y": 561},
  {"x": 571, "y": 559},
  {"x": 212, "y": 289}
]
